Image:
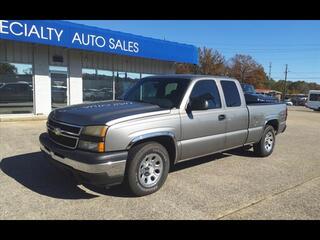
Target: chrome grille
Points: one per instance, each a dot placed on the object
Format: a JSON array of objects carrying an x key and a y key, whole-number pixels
[{"x": 64, "y": 134}]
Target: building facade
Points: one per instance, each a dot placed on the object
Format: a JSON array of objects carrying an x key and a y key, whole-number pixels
[{"x": 50, "y": 64}]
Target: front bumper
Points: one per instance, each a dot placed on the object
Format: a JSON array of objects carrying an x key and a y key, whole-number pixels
[{"x": 94, "y": 168}]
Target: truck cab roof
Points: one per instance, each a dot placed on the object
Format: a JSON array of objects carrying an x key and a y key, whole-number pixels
[{"x": 191, "y": 76}]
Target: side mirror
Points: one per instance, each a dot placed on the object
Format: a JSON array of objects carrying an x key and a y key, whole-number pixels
[{"x": 198, "y": 104}]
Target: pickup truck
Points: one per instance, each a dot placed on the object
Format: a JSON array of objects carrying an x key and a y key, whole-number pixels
[
  {"x": 159, "y": 122},
  {"x": 251, "y": 96}
]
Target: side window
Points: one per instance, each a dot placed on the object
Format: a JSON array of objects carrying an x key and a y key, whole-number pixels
[
  {"x": 149, "y": 89},
  {"x": 314, "y": 97},
  {"x": 170, "y": 87},
  {"x": 231, "y": 93},
  {"x": 208, "y": 90}
]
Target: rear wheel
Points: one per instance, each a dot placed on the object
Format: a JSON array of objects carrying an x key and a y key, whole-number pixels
[
  {"x": 148, "y": 167},
  {"x": 266, "y": 145}
]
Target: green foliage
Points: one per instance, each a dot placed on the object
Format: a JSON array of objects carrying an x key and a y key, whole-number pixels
[
  {"x": 7, "y": 68},
  {"x": 297, "y": 87}
]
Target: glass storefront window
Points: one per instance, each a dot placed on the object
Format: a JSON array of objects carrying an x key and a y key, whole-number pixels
[
  {"x": 97, "y": 85},
  {"x": 124, "y": 81},
  {"x": 106, "y": 84},
  {"x": 59, "y": 86},
  {"x": 16, "y": 88},
  {"x": 146, "y": 75}
]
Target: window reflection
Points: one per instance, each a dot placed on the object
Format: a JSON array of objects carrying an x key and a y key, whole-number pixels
[
  {"x": 146, "y": 75},
  {"x": 16, "y": 88},
  {"x": 124, "y": 81},
  {"x": 97, "y": 85}
]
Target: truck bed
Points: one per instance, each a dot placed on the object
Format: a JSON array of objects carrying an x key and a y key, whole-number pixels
[{"x": 261, "y": 113}]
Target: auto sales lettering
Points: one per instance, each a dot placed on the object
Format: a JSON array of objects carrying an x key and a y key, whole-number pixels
[
  {"x": 101, "y": 42},
  {"x": 57, "y": 36},
  {"x": 25, "y": 30}
]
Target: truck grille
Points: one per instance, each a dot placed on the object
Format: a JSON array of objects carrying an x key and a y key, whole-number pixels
[
  {"x": 64, "y": 134},
  {"x": 65, "y": 127}
]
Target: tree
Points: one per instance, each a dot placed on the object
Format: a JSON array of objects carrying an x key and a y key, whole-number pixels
[
  {"x": 186, "y": 68},
  {"x": 246, "y": 70},
  {"x": 211, "y": 62},
  {"x": 7, "y": 68}
]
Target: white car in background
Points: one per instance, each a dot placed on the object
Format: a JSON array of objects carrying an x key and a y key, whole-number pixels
[
  {"x": 313, "y": 101},
  {"x": 288, "y": 102}
]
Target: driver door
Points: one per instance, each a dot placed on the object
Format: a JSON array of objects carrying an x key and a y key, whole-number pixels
[{"x": 203, "y": 131}]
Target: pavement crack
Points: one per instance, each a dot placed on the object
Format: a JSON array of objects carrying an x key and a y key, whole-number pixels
[{"x": 268, "y": 197}]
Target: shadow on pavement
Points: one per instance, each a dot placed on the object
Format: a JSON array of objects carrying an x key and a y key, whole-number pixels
[
  {"x": 213, "y": 157},
  {"x": 33, "y": 171},
  {"x": 197, "y": 161},
  {"x": 38, "y": 174}
]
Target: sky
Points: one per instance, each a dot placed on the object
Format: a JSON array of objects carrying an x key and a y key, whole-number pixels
[{"x": 279, "y": 42}]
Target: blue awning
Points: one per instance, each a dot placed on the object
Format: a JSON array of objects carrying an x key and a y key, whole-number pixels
[{"x": 79, "y": 36}]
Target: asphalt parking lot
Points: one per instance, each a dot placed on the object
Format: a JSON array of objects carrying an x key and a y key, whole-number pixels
[{"x": 233, "y": 185}]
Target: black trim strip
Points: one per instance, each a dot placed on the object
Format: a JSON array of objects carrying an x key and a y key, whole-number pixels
[{"x": 91, "y": 138}]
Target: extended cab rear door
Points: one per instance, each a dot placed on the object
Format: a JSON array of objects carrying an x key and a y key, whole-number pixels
[
  {"x": 202, "y": 131},
  {"x": 236, "y": 113}
]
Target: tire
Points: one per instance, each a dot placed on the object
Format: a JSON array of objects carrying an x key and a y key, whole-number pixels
[
  {"x": 266, "y": 145},
  {"x": 147, "y": 169}
]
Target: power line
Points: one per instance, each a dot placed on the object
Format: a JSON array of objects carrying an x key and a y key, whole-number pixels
[
  {"x": 285, "y": 82},
  {"x": 270, "y": 65}
]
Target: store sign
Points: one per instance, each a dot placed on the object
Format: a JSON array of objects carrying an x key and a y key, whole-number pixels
[{"x": 70, "y": 35}]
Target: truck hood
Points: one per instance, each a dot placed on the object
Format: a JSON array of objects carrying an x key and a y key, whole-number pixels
[{"x": 99, "y": 113}]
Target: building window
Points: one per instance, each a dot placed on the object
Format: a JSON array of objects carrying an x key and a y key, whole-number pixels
[
  {"x": 146, "y": 75},
  {"x": 16, "y": 88},
  {"x": 124, "y": 81},
  {"x": 97, "y": 85},
  {"x": 59, "y": 86}
]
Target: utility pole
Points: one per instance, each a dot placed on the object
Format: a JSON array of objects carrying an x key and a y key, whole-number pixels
[
  {"x": 285, "y": 82},
  {"x": 270, "y": 65}
]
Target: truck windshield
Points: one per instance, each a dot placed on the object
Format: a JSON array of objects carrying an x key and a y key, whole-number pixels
[
  {"x": 164, "y": 92},
  {"x": 314, "y": 97},
  {"x": 248, "y": 88}
]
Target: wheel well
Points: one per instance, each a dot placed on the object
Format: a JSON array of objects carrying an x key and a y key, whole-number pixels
[
  {"x": 165, "y": 141},
  {"x": 274, "y": 123}
]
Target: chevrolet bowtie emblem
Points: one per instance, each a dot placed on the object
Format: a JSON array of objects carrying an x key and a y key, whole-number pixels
[{"x": 57, "y": 131}]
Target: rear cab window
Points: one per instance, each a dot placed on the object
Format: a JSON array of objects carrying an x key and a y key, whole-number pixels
[{"x": 231, "y": 93}]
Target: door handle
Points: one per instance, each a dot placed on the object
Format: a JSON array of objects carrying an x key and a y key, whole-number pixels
[{"x": 221, "y": 117}]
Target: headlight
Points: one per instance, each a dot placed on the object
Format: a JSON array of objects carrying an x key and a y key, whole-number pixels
[
  {"x": 92, "y": 138},
  {"x": 98, "y": 131}
]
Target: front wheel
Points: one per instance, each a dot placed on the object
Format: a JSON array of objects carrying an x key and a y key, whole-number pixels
[
  {"x": 266, "y": 145},
  {"x": 148, "y": 167}
]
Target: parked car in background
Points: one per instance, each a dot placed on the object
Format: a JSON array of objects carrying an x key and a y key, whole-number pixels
[
  {"x": 313, "y": 101},
  {"x": 16, "y": 92},
  {"x": 59, "y": 94},
  {"x": 288, "y": 102},
  {"x": 161, "y": 120},
  {"x": 92, "y": 94},
  {"x": 106, "y": 93},
  {"x": 299, "y": 100},
  {"x": 252, "y": 96}
]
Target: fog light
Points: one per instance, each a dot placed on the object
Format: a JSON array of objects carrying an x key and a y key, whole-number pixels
[{"x": 91, "y": 146}]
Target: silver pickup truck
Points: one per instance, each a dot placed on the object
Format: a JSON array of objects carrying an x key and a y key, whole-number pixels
[{"x": 160, "y": 121}]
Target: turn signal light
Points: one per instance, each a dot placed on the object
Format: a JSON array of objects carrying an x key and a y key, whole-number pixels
[{"x": 101, "y": 147}]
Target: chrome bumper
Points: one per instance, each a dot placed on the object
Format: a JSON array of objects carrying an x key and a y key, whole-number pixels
[{"x": 112, "y": 168}]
